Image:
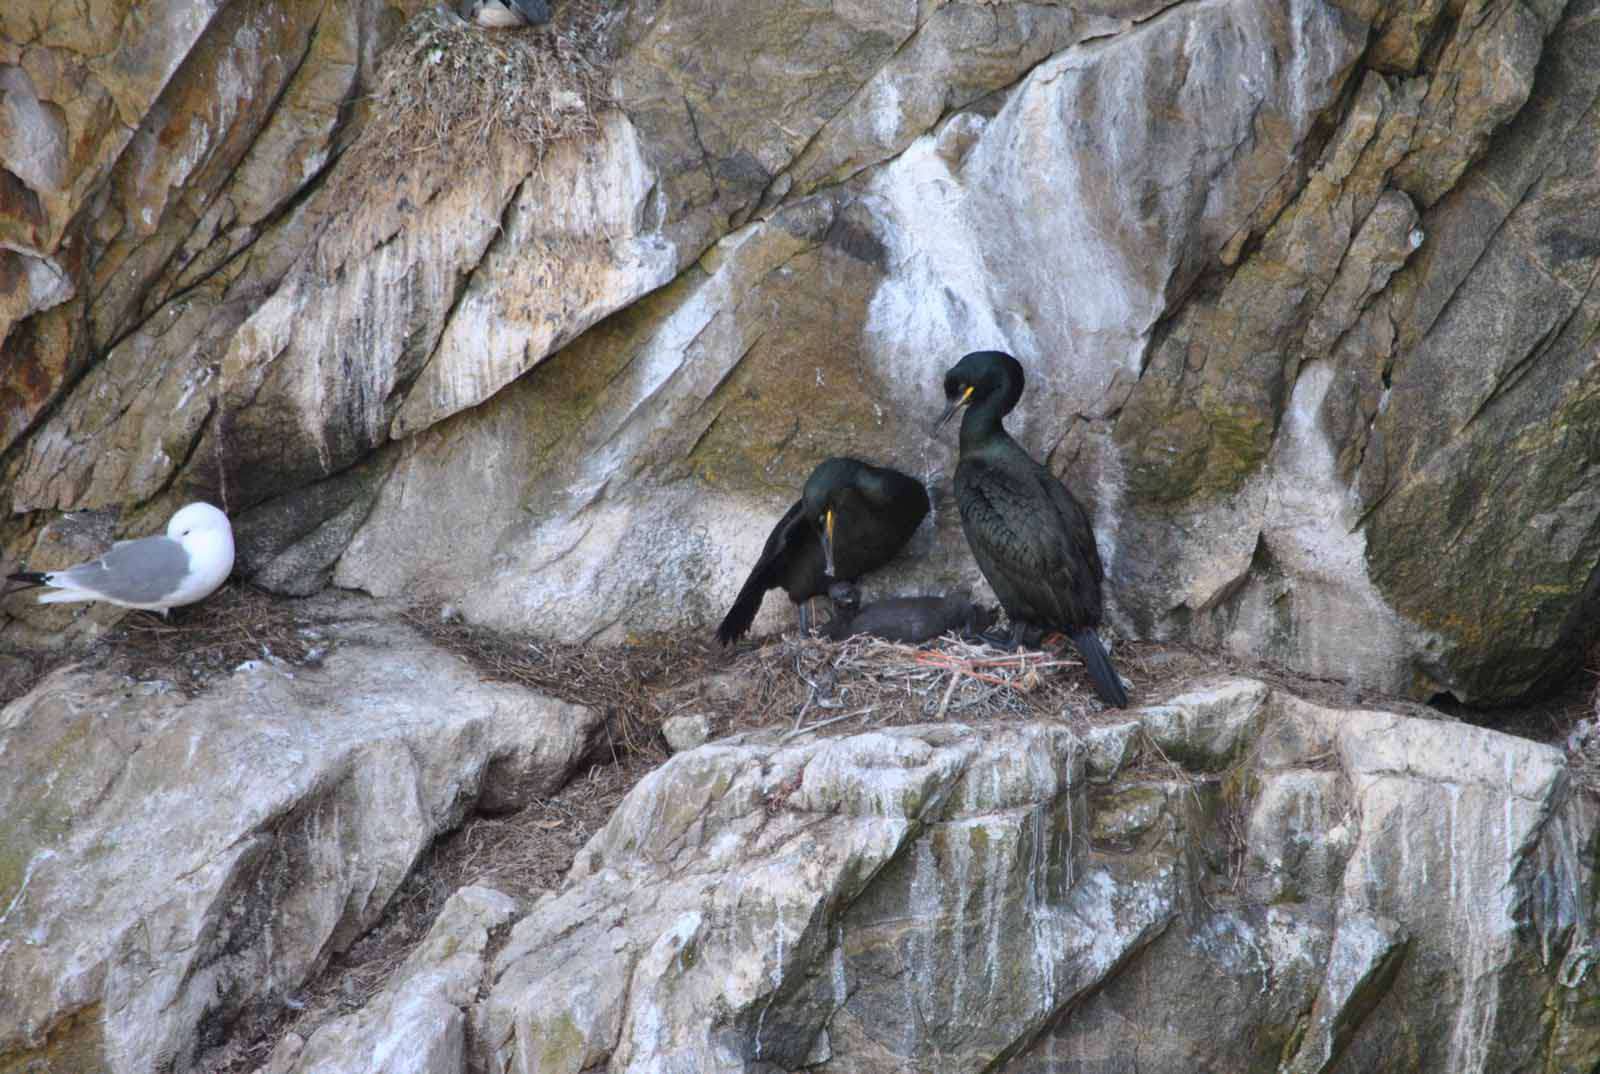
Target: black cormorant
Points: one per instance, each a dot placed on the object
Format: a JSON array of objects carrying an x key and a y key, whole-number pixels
[
  {"x": 910, "y": 620},
  {"x": 852, "y": 518},
  {"x": 1030, "y": 536}
]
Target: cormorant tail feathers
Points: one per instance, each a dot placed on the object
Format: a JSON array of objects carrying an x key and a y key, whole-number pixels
[
  {"x": 1106, "y": 683},
  {"x": 736, "y": 624}
]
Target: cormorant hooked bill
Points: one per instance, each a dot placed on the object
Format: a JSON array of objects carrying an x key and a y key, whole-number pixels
[
  {"x": 1030, "y": 536},
  {"x": 852, "y": 518}
]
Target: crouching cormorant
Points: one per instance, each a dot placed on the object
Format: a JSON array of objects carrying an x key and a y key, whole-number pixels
[
  {"x": 910, "y": 620},
  {"x": 852, "y": 518},
  {"x": 1031, "y": 538}
]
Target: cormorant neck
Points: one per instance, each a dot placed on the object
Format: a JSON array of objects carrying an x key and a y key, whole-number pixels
[{"x": 981, "y": 425}]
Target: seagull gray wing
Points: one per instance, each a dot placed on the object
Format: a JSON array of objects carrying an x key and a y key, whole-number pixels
[{"x": 133, "y": 572}]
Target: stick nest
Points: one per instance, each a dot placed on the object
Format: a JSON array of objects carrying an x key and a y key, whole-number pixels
[
  {"x": 863, "y": 682},
  {"x": 447, "y": 86}
]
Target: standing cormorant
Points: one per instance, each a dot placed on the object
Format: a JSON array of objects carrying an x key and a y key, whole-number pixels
[
  {"x": 852, "y": 518},
  {"x": 1031, "y": 538}
]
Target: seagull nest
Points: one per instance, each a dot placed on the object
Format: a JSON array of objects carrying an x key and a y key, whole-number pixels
[
  {"x": 447, "y": 86},
  {"x": 207, "y": 641}
]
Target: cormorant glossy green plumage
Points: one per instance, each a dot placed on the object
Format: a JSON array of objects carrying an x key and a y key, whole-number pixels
[
  {"x": 852, "y": 518},
  {"x": 1032, "y": 539}
]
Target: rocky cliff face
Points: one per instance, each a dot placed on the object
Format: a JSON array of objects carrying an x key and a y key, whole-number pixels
[
  {"x": 1293, "y": 896},
  {"x": 1233, "y": 879},
  {"x": 169, "y": 865},
  {"x": 1305, "y": 291}
]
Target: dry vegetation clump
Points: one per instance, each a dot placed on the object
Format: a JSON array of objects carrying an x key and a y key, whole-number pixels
[
  {"x": 628, "y": 683},
  {"x": 799, "y": 684},
  {"x": 521, "y": 854},
  {"x": 188, "y": 649},
  {"x": 864, "y": 682},
  {"x": 205, "y": 641},
  {"x": 1583, "y": 739},
  {"x": 446, "y": 86},
  {"x": 20, "y": 671}
]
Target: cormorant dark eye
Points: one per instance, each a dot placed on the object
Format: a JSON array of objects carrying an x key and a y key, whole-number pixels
[{"x": 952, "y": 387}]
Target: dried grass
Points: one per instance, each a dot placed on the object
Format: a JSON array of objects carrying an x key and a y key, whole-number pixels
[
  {"x": 1583, "y": 737},
  {"x": 626, "y": 683},
  {"x": 522, "y": 854},
  {"x": 842, "y": 687},
  {"x": 801, "y": 684},
  {"x": 189, "y": 648},
  {"x": 205, "y": 641},
  {"x": 20, "y": 671},
  {"x": 447, "y": 86}
]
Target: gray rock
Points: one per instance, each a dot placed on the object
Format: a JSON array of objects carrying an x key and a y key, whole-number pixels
[
  {"x": 887, "y": 898},
  {"x": 170, "y": 864},
  {"x": 686, "y": 732},
  {"x": 1209, "y": 728},
  {"x": 1107, "y": 748},
  {"x": 963, "y": 898},
  {"x": 416, "y": 1025},
  {"x": 289, "y": 545},
  {"x": 1366, "y": 953}
]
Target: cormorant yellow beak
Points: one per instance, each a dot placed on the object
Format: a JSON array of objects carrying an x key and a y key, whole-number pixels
[
  {"x": 827, "y": 542},
  {"x": 955, "y": 405}
]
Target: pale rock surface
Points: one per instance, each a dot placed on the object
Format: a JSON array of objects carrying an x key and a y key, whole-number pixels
[
  {"x": 169, "y": 864},
  {"x": 573, "y": 245},
  {"x": 897, "y": 898},
  {"x": 738, "y": 361},
  {"x": 416, "y": 1025},
  {"x": 686, "y": 732},
  {"x": 1401, "y": 894},
  {"x": 1207, "y": 729},
  {"x": 1306, "y": 291},
  {"x": 1366, "y": 951},
  {"x": 1347, "y": 534},
  {"x": 958, "y": 52},
  {"x": 1109, "y": 747},
  {"x": 142, "y": 153},
  {"x": 555, "y": 498}
]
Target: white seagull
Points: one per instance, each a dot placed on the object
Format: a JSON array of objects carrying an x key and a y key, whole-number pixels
[{"x": 152, "y": 573}]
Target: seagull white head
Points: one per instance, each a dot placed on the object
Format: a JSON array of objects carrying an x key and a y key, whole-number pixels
[{"x": 207, "y": 535}]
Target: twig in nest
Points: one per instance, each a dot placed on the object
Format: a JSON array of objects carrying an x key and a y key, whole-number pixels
[
  {"x": 798, "y": 730},
  {"x": 944, "y": 702}
]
